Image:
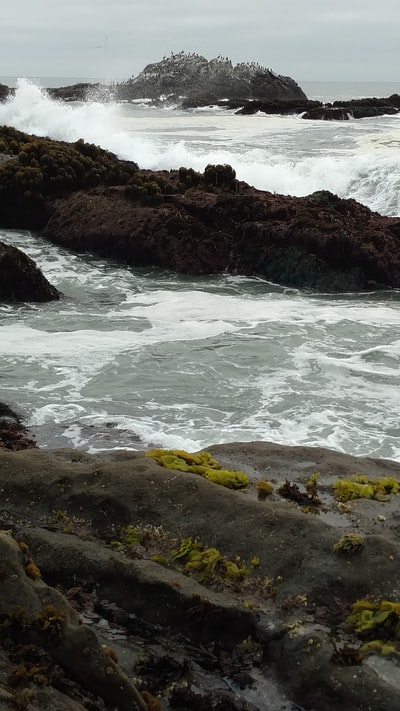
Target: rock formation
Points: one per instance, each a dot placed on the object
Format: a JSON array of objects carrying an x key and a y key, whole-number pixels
[
  {"x": 5, "y": 92},
  {"x": 20, "y": 278},
  {"x": 193, "y": 76},
  {"x": 206, "y": 592},
  {"x": 195, "y": 223}
]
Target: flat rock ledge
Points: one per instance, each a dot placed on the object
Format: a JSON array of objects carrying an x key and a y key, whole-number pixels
[{"x": 110, "y": 534}]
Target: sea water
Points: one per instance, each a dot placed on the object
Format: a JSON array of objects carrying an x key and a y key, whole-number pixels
[{"x": 136, "y": 358}]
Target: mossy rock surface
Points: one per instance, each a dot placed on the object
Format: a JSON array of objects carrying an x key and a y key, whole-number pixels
[
  {"x": 241, "y": 567},
  {"x": 37, "y": 169}
]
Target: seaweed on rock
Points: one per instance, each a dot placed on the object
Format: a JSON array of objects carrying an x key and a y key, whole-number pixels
[
  {"x": 202, "y": 463},
  {"x": 349, "y": 543},
  {"x": 40, "y": 168},
  {"x": 362, "y": 487},
  {"x": 378, "y": 623}
]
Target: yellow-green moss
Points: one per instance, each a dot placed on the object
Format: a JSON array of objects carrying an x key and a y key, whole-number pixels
[
  {"x": 207, "y": 563},
  {"x": 264, "y": 489},
  {"x": 311, "y": 484},
  {"x": 370, "y": 618},
  {"x": 368, "y": 615},
  {"x": 349, "y": 543},
  {"x": 360, "y": 487},
  {"x": 32, "y": 570},
  {"x": 202, "y": 463}
]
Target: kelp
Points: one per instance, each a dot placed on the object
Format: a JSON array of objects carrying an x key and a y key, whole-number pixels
[{"x": 202, "y": 463}]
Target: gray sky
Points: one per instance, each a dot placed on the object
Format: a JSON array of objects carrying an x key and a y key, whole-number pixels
[{"x": 106, "y": 39}]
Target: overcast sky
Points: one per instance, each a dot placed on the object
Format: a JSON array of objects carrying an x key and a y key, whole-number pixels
[{"x": 106, "y": 39}]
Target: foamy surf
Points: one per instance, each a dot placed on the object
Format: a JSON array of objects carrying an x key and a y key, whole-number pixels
[{"x": 281, "y": 154}]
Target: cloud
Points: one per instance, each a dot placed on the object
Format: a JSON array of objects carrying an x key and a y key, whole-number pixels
[{"x": 308, "y": 40}]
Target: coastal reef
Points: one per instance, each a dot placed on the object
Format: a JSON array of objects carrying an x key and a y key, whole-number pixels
[
  {"x": 126, "y": 584},
  {"x": 84, "y": 198}
]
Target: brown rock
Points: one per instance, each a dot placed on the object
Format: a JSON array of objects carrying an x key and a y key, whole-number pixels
[
  {"x": 20, "y": 278},
  {"x": 320, "y": 242}
]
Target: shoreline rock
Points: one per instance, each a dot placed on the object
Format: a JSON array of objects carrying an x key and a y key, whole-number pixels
[
  {"x": 84, "y": 198},
  {"x": 21, "y": 279},
  {"x": 116, "y": 532}
]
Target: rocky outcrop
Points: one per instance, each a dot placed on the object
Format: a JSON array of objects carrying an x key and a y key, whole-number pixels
[
  {"x": 74, "y": 92},
  {"x": 5, "y": 92},
  {"x": 336, "y": 111},
  {"x": 194, "y": 77},
  {"x": 39, "y": 617},
  {"x": 194, "y": 223},
  {"x": 21, "y": 279},
  {"x": 320, "y": 242},
  {"x": 200, "y": 583},
  {"x": 35, "y": 170}
]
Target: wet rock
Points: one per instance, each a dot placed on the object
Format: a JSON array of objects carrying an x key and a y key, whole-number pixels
[
  {"x": 5, "y": 92},
  {"x": 74, "y": 92},
  {"x": 316, "y": 110},
  {"x": 35, "y": 614},
  {"x": 286, "y": 619},
  {"x": 21, "y": 279},
  {"x": 320, "y": 242},
  {"x": 192, "y": 223},
  {"x": 13, "y": 434}
]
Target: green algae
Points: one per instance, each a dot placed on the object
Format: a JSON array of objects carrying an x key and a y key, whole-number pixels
[
  {"x": 203, "y": 464},
  {"x": 207, "y": 563},
  {"x": 361, "y": 487},
  {"x": 350, "y": 543},
  {"x": 264, "y": 489}
]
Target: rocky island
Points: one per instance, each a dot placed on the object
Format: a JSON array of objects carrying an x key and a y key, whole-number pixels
[
  {"x": 196, "y": 79},
  {"x": 189, "y": 80}
]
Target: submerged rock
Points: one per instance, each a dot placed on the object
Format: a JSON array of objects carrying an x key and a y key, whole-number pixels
[{"x": 21, "y": 279}]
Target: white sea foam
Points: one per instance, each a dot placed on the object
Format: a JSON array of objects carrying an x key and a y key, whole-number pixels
[{"x": 281, "y": 154}]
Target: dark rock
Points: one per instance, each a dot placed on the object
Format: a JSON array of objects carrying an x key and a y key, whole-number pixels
[
  {"x": 37, "y": 615},
  {"x": 194, "y": 77},
  {"x": 21, "y": 279},
  {"x": 316, "y": 110},
  {"x": 37, "y": 169},
  {"x": 320, "y": 242},
  {"x": 191, "y": 222},
  {"x": 13, "y": 434},
  {"x": 74, "y": 92},
  {"x": 5, "y": 92}
]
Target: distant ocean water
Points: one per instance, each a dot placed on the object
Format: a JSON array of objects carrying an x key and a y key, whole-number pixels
[{"x": 135, "y": 358}]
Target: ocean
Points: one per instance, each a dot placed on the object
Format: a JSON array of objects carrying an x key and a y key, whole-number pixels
[{"x": 136, "y": 358}]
